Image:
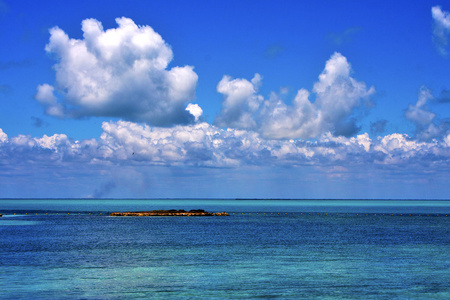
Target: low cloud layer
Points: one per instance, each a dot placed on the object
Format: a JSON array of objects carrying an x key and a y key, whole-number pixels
[
  {"x": 204, "y": 145},
  {"x": 441, "y": 28},
  {"x": 337, "y": 97},
  {"x": 119, "y": 72}
]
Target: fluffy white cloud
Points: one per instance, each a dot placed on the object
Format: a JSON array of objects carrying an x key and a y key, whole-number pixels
[
  {"x": 401, "y": 149},
  {"x": 195, "y": 110},
  {"x": 3, "y": 136},
  {"x": 447, "y": 140},
  {"x": 119, "y": 72},
  {"x": 52, "y": 142},
  {"x": 337, "y": 95},
  {"x": 240, "y": 102},
  {"x": 129, "y": 144},
  {"x": 299, "y": 120},
  {"x": 398, "y": 141},
  {"x": 441, "y": 29},
  {"x": 361, "y": 141},
  {"x": 45, "y": 95},
  {"x": 200, "y": 144}
]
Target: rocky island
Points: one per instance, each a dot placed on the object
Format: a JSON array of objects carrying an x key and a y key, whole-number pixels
[{"x": 168, "y": 213}]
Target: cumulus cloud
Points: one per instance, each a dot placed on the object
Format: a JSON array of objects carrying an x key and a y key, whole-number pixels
[
  {"x": 441, "y": 28},
  {"x": 46, "y": 97},
  {"x": 143, "y": 159},
  {"x": 337, "y": 96},
  {"x": 447, "y": 140},
  {"x": 240, "y": 102},
  {"x": 299, "y": 120},
  {"x": 427, "y": 126},
  {"x": 195, "y": 110},
  {"x": 119, "y": 72},
  {"x": 203, "y": 145},
  {"x": 400, "y": 149},
  {"x": 3, "y": 136},
  {"x": 209, "y": 146}
]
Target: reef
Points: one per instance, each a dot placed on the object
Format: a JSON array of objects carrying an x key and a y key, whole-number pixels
[{"x": 168, "y": 213}]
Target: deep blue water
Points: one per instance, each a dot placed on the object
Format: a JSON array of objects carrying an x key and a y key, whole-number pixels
[{"x": 72, "y": 249}]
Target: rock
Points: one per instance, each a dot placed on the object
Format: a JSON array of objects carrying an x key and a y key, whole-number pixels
[
  {"x": 222, "y": 214},
  {"x": 168, "y": 213}
]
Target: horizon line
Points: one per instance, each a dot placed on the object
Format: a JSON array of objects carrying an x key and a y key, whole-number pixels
[{"x": 230, "y": 198}]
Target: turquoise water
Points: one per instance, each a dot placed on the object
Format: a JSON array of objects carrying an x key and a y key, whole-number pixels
[{"x": 304, "y": 249}]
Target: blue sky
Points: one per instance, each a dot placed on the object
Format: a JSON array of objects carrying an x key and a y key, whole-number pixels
[{"x": 267, "y": 99}]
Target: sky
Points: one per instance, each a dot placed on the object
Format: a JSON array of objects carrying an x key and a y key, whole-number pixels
[{"x": 225, "y": 99}]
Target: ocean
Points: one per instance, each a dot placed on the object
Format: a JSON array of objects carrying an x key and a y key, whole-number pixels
[{"x": 283, "y": 249}]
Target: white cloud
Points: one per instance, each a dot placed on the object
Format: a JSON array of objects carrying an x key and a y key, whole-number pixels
[
  {"x": 3, "y": 136},
  {"x": 52, "y": 142},
  {"x": 200, "y": 144},
  {"x": 300, "y": 120},
  {"x": 401, "y": 149},
  {"x": 337, "y": 96},
  {"x": 423, "y": 118},
  {"x": 419, "y": 113},
  {"x": 195, "y": 110},
  {"x": 441, "y": 29},
  {"x": 397, "y": 141},
  {"x": 45, "y": 95},
  {"x": 240, "y": 102},
  {"x": 119, "y": 72},
  {"x": 361, "y": 141},
  {"x": 22, "y": 141},
  {"x": 447, "y": 140},
  {"x": 203, "y": 145}
]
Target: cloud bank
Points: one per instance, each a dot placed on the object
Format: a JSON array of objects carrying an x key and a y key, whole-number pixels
[
  {"x": 337, "y": 97},
  {"x": 203, "y": 145},
  {"x": 120, "y": 72},
  {"x": 441, "y": 28}
]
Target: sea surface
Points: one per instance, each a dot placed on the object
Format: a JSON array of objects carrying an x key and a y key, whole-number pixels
[{"x": 283, "y": 249}]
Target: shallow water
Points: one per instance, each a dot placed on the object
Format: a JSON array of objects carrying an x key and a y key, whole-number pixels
[{"x": 265, "y": 249}]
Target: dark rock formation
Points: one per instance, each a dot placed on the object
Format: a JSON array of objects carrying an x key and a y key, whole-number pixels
[{"x": 168, "y": 213}]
